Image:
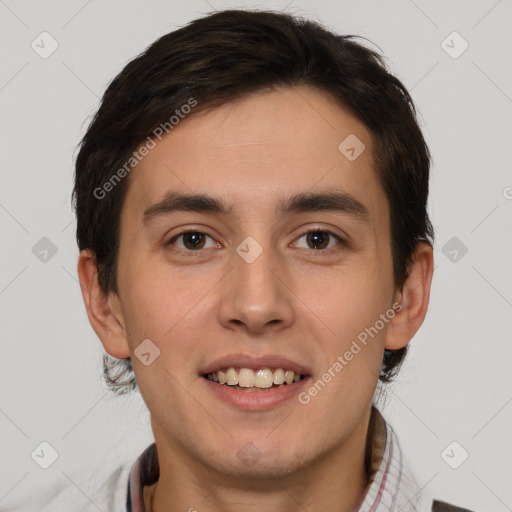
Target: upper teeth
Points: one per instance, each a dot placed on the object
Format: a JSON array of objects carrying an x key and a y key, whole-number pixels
[{"x": 248, "y": 378}]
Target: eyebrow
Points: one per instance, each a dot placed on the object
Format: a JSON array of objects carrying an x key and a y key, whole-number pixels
[{"x": 332, "y": 201}]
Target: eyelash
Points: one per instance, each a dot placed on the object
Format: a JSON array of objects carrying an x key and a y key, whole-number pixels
[{"x": 341, "y": 241}]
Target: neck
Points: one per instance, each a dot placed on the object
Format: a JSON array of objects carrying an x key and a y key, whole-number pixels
[{"x": 334, "y": 481}]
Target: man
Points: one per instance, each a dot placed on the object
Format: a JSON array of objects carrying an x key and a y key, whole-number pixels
[{"x": 251, "y": 205}]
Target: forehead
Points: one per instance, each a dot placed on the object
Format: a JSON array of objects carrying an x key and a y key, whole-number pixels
[{"x": 263, "y": 147}]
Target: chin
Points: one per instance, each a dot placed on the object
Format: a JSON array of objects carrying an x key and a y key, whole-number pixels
[{"x": 264, "y": 460}]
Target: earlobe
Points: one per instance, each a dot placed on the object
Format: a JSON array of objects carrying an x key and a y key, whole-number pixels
[
  {"x": 414, "y": 297},
  {"x": 107, "y": 323}
]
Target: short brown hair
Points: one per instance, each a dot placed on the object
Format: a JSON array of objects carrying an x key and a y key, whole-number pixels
[{"x": 224, "y": 56}]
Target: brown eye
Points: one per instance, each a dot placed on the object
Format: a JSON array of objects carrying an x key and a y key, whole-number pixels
[
  {"x": 193, "y": 240},
  {"x": 190, "y": 240},
  {"x": 319, "y": 240}
]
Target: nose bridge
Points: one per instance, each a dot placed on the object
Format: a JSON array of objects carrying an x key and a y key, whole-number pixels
[
  {"x": 253, "y": 266},
  {"x": 256, "y": 296}
]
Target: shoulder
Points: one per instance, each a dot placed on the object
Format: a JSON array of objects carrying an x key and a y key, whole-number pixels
[
  {"x": 441, "y": 506},
  {"x": 112, "y": 494},
  {"x": 104, "y": 490}
]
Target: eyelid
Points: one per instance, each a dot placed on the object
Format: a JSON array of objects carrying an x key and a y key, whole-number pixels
[
  {"x": 204, "y": 230},
  {"x": 334, "y": 231}
]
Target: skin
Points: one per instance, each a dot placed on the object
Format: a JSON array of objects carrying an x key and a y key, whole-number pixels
[{"x": 293, "y": 300}]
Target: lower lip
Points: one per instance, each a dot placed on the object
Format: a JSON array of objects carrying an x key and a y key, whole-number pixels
[{"x": 255, "y": 400}]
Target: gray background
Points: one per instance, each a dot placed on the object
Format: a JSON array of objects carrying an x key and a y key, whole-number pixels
[{"x": 456, "y": 384}]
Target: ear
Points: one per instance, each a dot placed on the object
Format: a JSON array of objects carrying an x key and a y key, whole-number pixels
[
  {"x": 413, "y": 296},
  {"x": 103, "y": 310}
]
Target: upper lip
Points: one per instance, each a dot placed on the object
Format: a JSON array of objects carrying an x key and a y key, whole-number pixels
[{"x": 255, "y": 363}]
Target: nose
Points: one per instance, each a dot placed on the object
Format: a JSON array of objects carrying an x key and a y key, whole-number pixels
[{"x": 257, "y": 297}]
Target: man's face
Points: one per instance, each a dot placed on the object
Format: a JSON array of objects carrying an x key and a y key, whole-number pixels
[{"x": 295, "y": 299}]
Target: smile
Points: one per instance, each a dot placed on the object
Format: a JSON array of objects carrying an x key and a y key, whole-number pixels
[{"x": 255, "y": 380}]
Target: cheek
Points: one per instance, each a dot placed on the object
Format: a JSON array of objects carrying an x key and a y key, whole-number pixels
[
  {"x": 351, "y": 354},
  {"x": 352, "y": 300},
  {"x": 353, "y": 344},
  {"x": 158, "y": 301},
  {"x": 166, "y": 311}
]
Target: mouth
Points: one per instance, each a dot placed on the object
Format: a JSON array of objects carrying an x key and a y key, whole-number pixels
[
  {"x": 254, "y": 383},
  {"x": 247, "y": 379}
]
